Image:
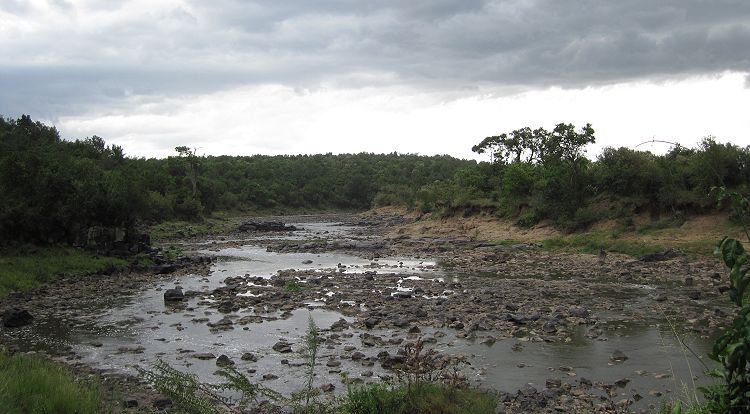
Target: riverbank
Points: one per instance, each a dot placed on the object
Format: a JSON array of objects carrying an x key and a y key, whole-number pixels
[{"x": 540, "y": 326}]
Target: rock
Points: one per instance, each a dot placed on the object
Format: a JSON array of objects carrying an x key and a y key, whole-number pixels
[
  {"x": 332, "y": 363},
  {"x": 173, "y": 295},
  {"x": 16, "y": 318},
  {"x": 164, "y": 269},
  {"x": 130, "y": 403},
  {"x": 578, "y": 312},
  {"x": 528, "y": 390},
  {"x": 204, "y": 356},
  {"x": 282, "y": 347},
  {"x": 223, "y": 323},
  {"x": 694, "y": 295},
  {"x": 247, "y": 356},
  {"x": 371, "y": 322},
  {"x": 489, "y": 341},
  {"x": 327, "y": 387},
  {"x": 162, "y": 404},
  {"x": 307, "y": 262},
  {"x": 402, "y": 295},
  {"x": 270, "y": 377},
  {"x": 622, "y": 382},
  {"x": 356, "y": 356},
  {"x": 549, "y": 327},
  {"x": 660, "y": 256},
  {"x": 367, "y": 373},
  {"x": 224, "y": 361},
  {"x": 226, "y": 306},
  {"x": 553, "y": 383},
  {"x": 618, "y": 356},
  {"x": 401, "y": 323}
]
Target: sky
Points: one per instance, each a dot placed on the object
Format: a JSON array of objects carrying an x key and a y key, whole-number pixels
[{"x": 240, "y": 77}]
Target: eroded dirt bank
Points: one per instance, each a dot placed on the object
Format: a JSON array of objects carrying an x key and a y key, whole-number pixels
[{"x": 375, "y": 282}]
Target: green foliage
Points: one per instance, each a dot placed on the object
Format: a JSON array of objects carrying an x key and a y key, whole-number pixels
[
  {"x": 27, "y": 268},
  {"x": 53, "y": 189},
  {"x": 417, "y": 399},
  {"x": 310, "y": 354},
  {"x": 732, "y": 349},
  {"x": 194, "y": 397},
  {"x": 30, "y": 384},
  {"x": 528, "y": 219},
  {"x": 592, "y": 242},
  {"x": 293, "y": 286}
]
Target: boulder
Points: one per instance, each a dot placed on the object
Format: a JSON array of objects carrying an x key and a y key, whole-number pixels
[
  {"x": 224, "y": 361},
  {"x": 618, "y": 356},
  {"x": 282, "y": 347},
  {"x": 15, "y": 318},
  {"x": 660, "y": 256},
  {"x": 173, "y": 295}
]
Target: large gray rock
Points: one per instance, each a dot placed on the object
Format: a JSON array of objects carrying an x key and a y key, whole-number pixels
[{"x": 173, "y": 295}]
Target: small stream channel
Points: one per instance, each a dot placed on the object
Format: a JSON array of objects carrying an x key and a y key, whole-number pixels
[{"x": 137, "y": 330}]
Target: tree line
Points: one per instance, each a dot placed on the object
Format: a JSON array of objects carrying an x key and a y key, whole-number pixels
[
  {"x": 537, "y": 174},
  {"x": 52, "y": 189}
]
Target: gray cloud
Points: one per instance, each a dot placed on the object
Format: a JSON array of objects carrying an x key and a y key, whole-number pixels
[{"x": 60, "y": 68}]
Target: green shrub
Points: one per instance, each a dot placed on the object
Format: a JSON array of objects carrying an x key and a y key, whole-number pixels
[
  {"x": 528, "y": 219},
  {"x": 421, "y": 398}
]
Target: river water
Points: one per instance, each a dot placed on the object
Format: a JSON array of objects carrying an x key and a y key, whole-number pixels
[{"x": 138, "y": 330}]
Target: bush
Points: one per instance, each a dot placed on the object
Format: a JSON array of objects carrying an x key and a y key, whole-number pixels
[{"x": 420, "y": 398}]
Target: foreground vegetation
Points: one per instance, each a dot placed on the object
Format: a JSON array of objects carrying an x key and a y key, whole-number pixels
[
  {"x": 25, "y": 268},
  {"x": 30, "y": 384}
]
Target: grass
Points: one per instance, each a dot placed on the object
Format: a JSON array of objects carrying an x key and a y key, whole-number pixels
[
  {"x": 30, "y": 384},
  {"x": 591, "y": 242},
  {"x": 30, "y": 267},
  {"x": 175, "y": 229},
  {"x": 415, "y": 399}
]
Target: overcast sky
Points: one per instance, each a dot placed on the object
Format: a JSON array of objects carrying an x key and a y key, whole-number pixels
[{"x": 422, "y": 76}]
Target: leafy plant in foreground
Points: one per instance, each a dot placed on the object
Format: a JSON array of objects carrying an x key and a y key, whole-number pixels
[
  {"x": 194, "y": 397},
  {"x": 732, "y": 349}
]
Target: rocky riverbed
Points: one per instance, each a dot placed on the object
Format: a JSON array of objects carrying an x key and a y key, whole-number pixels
[{"x": 550, "y": 332}]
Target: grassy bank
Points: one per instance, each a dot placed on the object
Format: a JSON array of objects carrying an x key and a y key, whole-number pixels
[
  {"x": 30, "y": 384},
  {"x": 27, "y": 268}
]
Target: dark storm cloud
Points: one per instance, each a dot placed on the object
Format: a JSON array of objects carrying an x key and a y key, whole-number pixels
[{"x": 201, "y": 46}]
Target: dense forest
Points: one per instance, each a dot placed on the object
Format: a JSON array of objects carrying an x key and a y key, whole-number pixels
[{"x": 53, "y": 188}]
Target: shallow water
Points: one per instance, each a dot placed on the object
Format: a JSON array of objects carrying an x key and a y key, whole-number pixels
[{"x": 141, "y": 329}]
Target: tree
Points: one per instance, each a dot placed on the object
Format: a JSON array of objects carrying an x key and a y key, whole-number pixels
[{"x": 563, "y": 144}]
